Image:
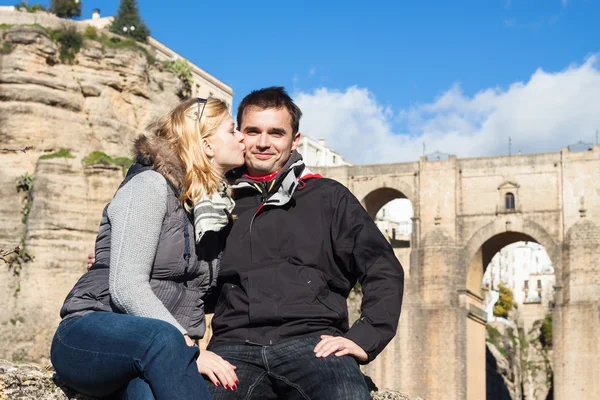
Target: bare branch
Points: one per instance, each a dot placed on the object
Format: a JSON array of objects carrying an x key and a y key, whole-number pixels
[{"x": 23, "y": 150}]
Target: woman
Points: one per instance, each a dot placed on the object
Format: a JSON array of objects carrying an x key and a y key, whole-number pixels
[{"x": 132, "y": 320}]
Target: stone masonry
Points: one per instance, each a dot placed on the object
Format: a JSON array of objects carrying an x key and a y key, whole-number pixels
[{"x": 460, "y": 221}]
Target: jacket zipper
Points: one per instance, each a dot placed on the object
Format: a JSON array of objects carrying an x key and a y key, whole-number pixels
[
  {"x": 263, "y": 198},
  {"x": 187, "y": 251}
]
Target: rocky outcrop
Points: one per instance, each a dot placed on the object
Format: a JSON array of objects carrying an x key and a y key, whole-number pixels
[
  {"x": 99, "y": 103},
  {"x": 28, "y": 381},
  {"x": 518, "y": 365},
  {"x": 537, "y": 366},
  {"x": 503, "y": 361}
]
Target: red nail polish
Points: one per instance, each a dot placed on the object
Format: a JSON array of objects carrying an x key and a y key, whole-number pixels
[
  {"x": 237, "y": 382},
  {"x": 234, "y": 388},
  {"x": 226, "y": 386},
  {"x": 218, "y": 384}
]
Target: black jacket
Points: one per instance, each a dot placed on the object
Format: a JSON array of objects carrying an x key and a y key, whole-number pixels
[{"x": 296, "y": 249}]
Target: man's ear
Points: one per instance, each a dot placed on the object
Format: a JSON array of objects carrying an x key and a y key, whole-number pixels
[
  {"x": 296, "y": 141},
  {"x": 207, "y": 148}
]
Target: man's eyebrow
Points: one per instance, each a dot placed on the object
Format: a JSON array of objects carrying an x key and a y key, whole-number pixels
[
  {"x": 280, "y": 131},
  {"x": 251, "y": 128}
]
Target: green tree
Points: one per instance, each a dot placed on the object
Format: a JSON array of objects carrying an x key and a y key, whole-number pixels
[
  {"x": 128, "y": 16},
  {"x": 505, "y": 302},
  {"x": 66, "y": 8}
]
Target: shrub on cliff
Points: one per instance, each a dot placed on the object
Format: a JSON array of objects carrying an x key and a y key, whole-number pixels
[
  {"x": 546, "y": 332},
  {"x": 70, "y": 41},
  {"x": 62, "y": 153},
  {"x": 23, "y": 6},
  {"x": 100, "y": 158},
  {"x": 7, "y": 48},
  {"x": 66, "y": 8},
  {"x": 90, "y": 33},
  {"x": 505, "y": 302},
  {"x": 127, "y": 17},
  {"x": 183, "y": 71}
]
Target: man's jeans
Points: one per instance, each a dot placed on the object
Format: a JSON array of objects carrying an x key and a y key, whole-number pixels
[
  {"x": 290, "y": 371},
  {"x": 103, "y": 353}
]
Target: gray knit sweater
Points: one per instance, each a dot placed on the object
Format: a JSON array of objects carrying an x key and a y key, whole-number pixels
[{"x": 136, "y": 214}]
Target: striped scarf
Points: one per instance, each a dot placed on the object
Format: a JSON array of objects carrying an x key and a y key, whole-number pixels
[{"x": 213, "y": 213}]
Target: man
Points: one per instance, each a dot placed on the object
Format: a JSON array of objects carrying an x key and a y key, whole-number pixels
[{"x": 298, "y": 245}]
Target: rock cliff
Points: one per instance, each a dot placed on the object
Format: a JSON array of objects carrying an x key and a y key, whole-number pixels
[
  {"x": 99, "y": 103},
  {"x": 518, "y": 363}
]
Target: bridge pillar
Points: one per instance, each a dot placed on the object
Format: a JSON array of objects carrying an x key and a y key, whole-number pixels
[{"x": 576, "y": 318}]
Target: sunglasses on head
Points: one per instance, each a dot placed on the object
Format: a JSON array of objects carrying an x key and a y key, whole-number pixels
[{"x": 202, "y": 101}]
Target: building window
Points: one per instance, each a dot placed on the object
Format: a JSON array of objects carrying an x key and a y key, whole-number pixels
[
  {"x": 334, "y": 160},
  {"x": 509, "y": 201}
]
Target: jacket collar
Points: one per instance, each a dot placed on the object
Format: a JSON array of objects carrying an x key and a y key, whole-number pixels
[
  {"x": 163, "y": 158},
  {"x": 279, "y": 190}
]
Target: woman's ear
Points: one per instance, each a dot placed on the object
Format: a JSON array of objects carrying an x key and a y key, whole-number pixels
[{"x": 208, "y": 150}]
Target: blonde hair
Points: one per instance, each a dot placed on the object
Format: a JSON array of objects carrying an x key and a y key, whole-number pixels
[{"x": 183, "y": 129}]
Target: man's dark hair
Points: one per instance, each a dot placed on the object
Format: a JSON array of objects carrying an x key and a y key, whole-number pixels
[{"x": 271, "y": 97}]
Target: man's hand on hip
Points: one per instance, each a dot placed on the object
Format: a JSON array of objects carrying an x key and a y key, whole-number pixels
[{"x": 341, "y": 346}]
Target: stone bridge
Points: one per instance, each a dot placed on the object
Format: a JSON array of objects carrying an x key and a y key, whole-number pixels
[{"x": 465, "y": 211}]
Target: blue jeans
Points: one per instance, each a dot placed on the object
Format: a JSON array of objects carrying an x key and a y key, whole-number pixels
[
  {"x": 104, "y": 353},
  {"x": 290, "y": 370}
]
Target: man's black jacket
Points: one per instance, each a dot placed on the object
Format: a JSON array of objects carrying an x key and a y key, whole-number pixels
[{"x": 289, "y": 267}]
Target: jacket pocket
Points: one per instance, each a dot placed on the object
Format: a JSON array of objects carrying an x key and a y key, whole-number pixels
[{"x": 284, "y": 291}]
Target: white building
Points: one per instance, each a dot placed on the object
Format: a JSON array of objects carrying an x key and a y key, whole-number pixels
[
  {"x": 393, "y": 220},
  {"x": 526, "y": 269},
  {"x": 317, "y": 154}
]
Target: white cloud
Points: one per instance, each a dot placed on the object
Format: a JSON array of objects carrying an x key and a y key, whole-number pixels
[{"x": 546, "y": 113}]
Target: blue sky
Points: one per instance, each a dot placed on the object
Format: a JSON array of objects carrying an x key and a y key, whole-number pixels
[{"x": 440, "y": 72}]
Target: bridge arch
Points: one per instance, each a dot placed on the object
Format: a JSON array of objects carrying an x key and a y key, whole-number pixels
[
  {"x": 492, "y": 237},
  {"x": 476, "y": 256},
  {"x": 393, "y": 212},
  {"x": 376, "y": 198}
]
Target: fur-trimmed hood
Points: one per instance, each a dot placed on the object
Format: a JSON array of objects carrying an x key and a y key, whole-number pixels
[{"x": 162, "y": 156}]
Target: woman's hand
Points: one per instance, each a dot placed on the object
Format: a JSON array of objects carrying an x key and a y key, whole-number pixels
[
  {"x": 189, "y": 341},
  {"x": 91, "y": 260},
  {"x": 219, "y": 371}
]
